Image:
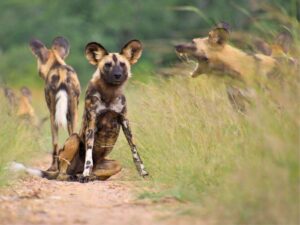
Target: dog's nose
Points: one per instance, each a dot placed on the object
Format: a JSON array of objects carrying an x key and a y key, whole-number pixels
[
  {"x": 118, "y": 76},
  {"x": 179, "y": 48}
]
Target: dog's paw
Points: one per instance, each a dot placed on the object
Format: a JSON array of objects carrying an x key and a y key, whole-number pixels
[
  {"x": 86, "y": 179},
  {"x": 74, "y": 178},
  {"x": 83, "y": 179},
  {"x": 144, "y": 173}
]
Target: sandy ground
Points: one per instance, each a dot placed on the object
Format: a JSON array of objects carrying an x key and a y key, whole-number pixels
[{"x": 39, "y": 201}]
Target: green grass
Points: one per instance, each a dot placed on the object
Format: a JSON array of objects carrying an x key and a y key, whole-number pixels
[
  {"x": 242, "y": 169},
  {"x": 19, "y": 141}
]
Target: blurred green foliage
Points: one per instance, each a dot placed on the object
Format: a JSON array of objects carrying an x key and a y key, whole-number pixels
[{"x": 112, "y": 23}]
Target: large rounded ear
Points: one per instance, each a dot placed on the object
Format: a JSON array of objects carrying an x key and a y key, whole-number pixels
[
  {"x": 94, "y": 52},
  {"x": 219, "y": 35},
  {"x": 132, "y": 51},
  {"x": 61, "y": 46},
  {"x": 39, "y": 50}
]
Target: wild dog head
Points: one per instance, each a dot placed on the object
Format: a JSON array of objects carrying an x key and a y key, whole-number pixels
[
  {"x": 25, "y": 91},
  {"x": 47, "y": 57},
  {"x": 204, "y": 50},
  {"x": 113, "y": 69}
]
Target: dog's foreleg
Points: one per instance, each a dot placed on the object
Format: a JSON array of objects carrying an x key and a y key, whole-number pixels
[
  {"x": 136, "y": 157},
  {"x": 89, "y": 142}
]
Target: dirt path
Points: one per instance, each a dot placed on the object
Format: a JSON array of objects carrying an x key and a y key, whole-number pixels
[{"x": 40, "y": 201}]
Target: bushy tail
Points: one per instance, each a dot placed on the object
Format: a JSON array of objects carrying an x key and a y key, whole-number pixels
[
  {"x": 61, "y": 108},
  {"x": 19, "y": 167}
]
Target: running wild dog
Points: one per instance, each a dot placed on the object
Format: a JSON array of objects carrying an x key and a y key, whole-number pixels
[
  {"x": 62, "y": 88},
  {"x": 214, "y": 55},
  {"x": 83, "y": 156}
]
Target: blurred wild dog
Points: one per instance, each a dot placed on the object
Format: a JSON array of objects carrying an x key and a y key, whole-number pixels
[
  {"x": 62, "y": 88},
  {"x": 215, "y": 56},
  {"x": 11, "y": 98},
  {"x": 83, "y": 156},
  {"x": 25, "y": 109},
  {"x": 21, "y": 106}
]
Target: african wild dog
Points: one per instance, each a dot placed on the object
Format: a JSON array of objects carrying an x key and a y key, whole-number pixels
[
  {"x": 21, "y": 106},
  {"x": 214, "y": 55},
  {"x": 62, "y": 88},
  {"x": 25, "y": 109},
  {"x": 83, "y": 156}
]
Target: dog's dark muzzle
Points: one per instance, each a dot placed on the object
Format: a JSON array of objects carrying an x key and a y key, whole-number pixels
[
  {"x": 116, "y": 76},
  {"x": 186, "y": 48}
]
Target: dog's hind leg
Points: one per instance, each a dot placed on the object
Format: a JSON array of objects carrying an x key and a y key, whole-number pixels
[
  {"x": 54, "y": 133},
  {"x": 106, "y": 168},
  {"x": 66, "y": 156}
]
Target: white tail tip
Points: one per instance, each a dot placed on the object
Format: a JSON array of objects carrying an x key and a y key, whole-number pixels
[
  {"x": 19, "y": 167},
  {"x": 16, "y": 167},
  {"x": 61, "y": 108}
]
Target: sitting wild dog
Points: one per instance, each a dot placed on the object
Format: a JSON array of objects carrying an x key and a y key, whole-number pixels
[
  {"x": 83, "y": 156},
  {"x": 214, "y": 55},
  {"x": 62, "y": 88}
]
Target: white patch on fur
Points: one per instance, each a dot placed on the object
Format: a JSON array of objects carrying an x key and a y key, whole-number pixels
[
  {"x": 134, "y": 150},
  {"x": 125, "y": 124},
  {"x": 101, "y": 106},
  {"x": 18, "y": 167},
  {"x": 61, "y": 108},
  {"x": 117, "y": 105},
  {"x": 97, "y": 95},
  {"x": 88, "y": 157},
  {"x": 135, "y": 156}
]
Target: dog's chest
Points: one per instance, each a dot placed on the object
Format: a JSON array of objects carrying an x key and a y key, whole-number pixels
[
  {"x": 117, "y": 105},
  {"x": 106, "y": 132},
  {"x": 107, "y": 124}
]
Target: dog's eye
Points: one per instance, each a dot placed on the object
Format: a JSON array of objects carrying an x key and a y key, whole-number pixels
[
  {"x": 107, "y": 65},
  {"x": 122, "y": 64}
]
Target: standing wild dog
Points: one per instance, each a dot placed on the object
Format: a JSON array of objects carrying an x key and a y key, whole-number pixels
[
  {"x": 214, "y": 55},
  {"x": 83, "y": 156},
  {"x": 62, "y": 88}
]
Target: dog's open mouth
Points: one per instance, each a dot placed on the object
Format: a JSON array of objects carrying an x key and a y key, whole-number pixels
[
  {"x": 183, "y": 56},
  {"x": 185, "y": 51}
]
